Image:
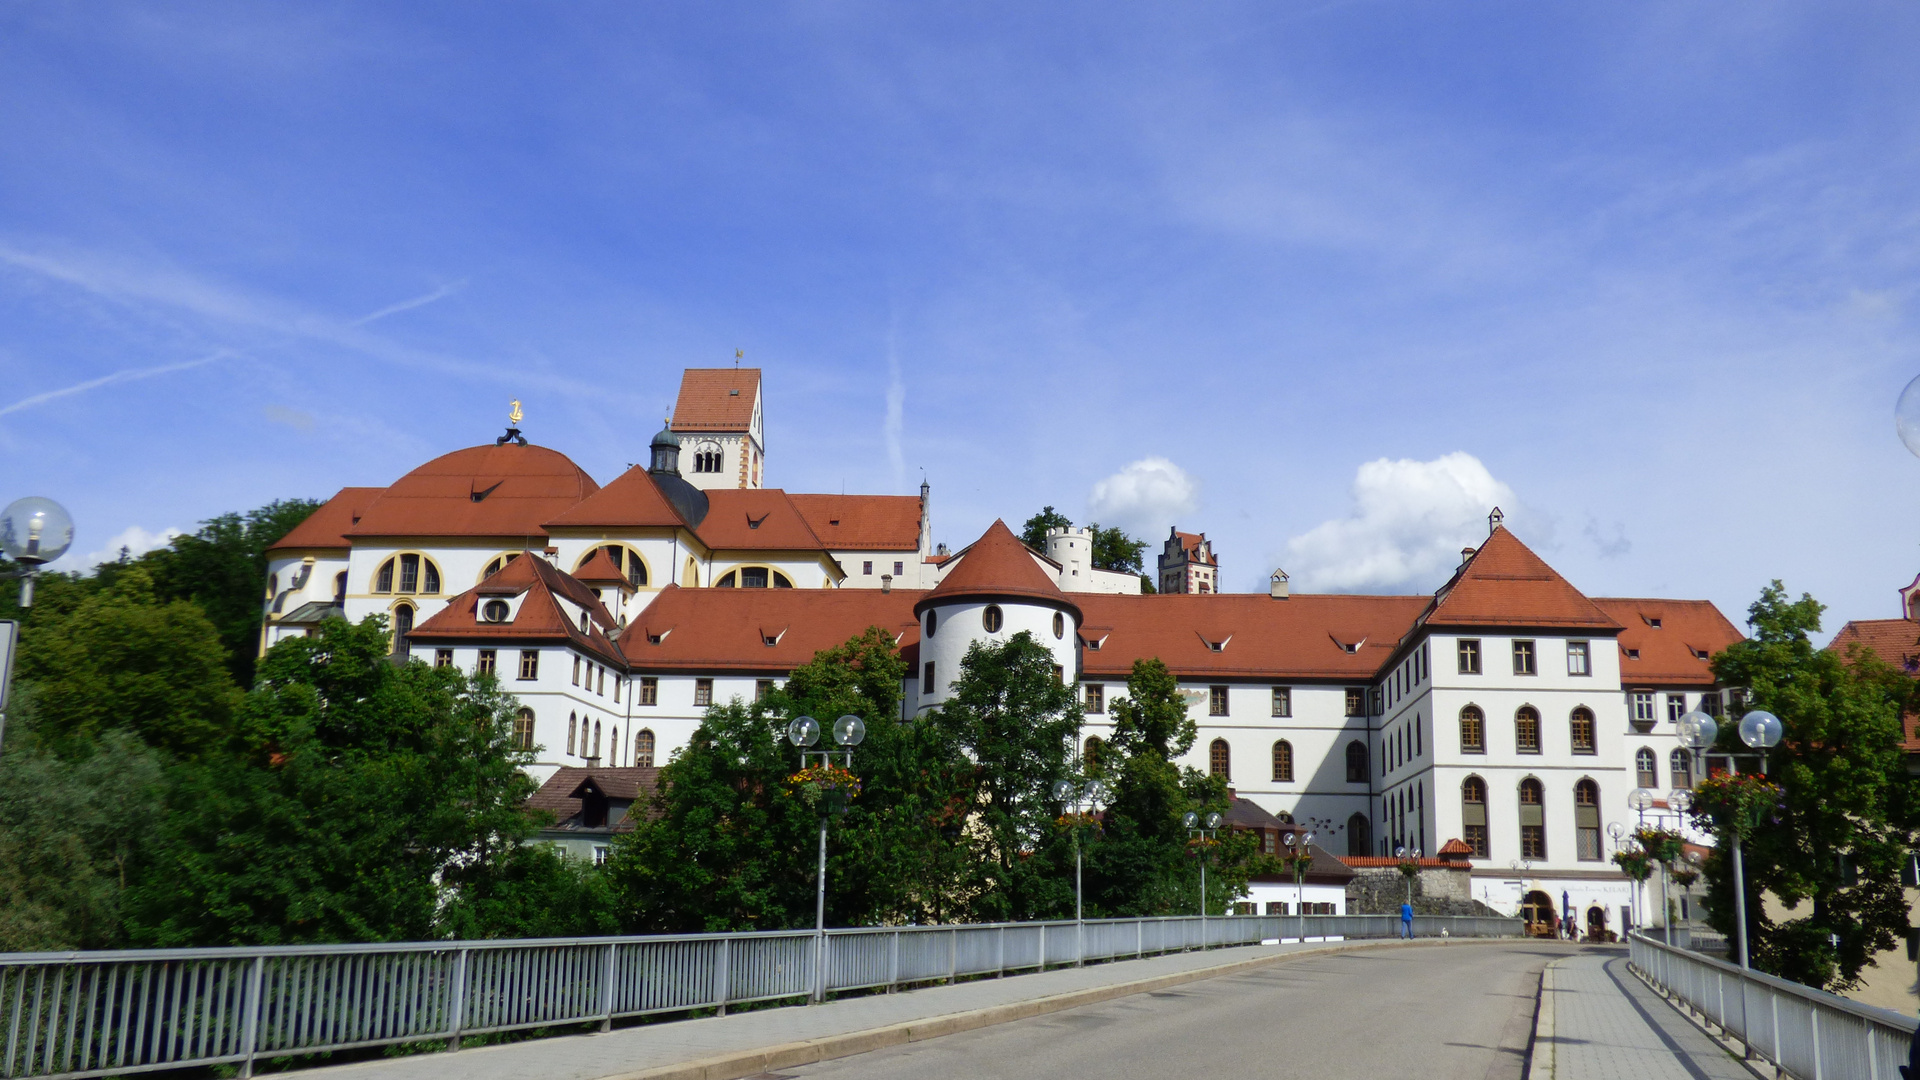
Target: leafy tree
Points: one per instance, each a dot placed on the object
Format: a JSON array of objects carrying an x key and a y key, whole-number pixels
[
  {"x": 1845, "y": 795},
  {"x": 354, "y": 797},
  {"x": 120, "y": 658},
  {"x": 529, "y": 891},
  {"x": 223, "y": 568},
  {"x": 1115, "y": 550},
  {"x": 1015, "y": 720},
  {"x": 1034, "y": 532}
]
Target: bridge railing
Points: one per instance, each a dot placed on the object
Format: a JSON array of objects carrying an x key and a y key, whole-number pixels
[
  {"x": 97, "y": 1013},
  {"x": 1807, "y": 1033}
]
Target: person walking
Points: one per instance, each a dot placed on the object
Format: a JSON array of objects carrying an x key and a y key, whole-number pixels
[{"x": 1406, "y": 921}]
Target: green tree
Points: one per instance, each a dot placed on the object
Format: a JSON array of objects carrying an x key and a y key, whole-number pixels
[
  {"x": 223, "y": 568},
  {"x": 1115, "y": 550},
  {"x": 1015, "y": 719},
  {"x": 1846, "y": 795},
  {"x": 1034, "y": 532},
  {"x": 355, "y": 798}
]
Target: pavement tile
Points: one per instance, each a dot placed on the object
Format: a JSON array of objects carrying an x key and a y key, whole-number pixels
[{"x": 1605, "y": 1024}]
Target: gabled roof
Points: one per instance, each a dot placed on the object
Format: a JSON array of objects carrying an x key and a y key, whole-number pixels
[
  {"x": 1190, "y": 543},
  {"x": 1506, "y": 584},
  {"x": 540, "y": 618},
  {"x": 728, "y": 629},
  {"x": 561, "y": 794},
  {"x": 328, "y": 525},
  {"x": 862, "y": 522},
  {"x": 505, "y": 491},
  {"x": 755, "y": 519},
  {"x": 716, "y": 399},
  {"x": 999, "y": 565},
  {"x": 1895, "y": 641},
  {"x": 1304, "y": 637},
  {"x": 632, "y": 499},
  {"x": 1668, "y": 654},
  {"x": 599, "y": 570}
]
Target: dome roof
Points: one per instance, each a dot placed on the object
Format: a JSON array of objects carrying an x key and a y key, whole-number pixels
[
  {"x": 497, "y": 490},
  {"x": 998, "y": 566},
  {"x": 666, "y": 438}
]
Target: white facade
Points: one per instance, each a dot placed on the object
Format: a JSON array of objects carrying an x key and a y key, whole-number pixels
[
  {"x": 1072, "y": 551},
  {"x": 948, "y": 628}
]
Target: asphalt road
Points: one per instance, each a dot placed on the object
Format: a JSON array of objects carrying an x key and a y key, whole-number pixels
[{"x": 1426, "y": 1013}]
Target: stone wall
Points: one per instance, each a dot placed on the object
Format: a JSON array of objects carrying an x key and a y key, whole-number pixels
[{"x": 1436, "y": 891}]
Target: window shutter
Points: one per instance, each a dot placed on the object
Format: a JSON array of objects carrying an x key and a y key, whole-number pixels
[{"x": 1532, "y": 814}]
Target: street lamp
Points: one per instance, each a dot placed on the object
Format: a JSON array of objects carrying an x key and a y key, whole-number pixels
[
  {"x": 1079, "y": 800},
  {"x": 1202, "y": 838},
  {"x": 33, "y": 532},
  {"x": 1678, "y": 801},
  {"x": 803, "y": 733},
  {"x": 1619, "y": 832},
  {"x": 1302, "y": 857},
  {"x": 1760, "y": 730}
]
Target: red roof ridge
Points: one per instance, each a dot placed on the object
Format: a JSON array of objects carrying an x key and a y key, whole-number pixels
[
  {"x": 1487, "y": 590},
  {"x": 328, "y": 525},
  {"x": 539, "y": 615},
  {"x": 632, "y": 498},
  {"x": 716, "y": 399}
]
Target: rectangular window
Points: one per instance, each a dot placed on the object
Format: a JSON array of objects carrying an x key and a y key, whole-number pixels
[
  {"x": 1577, "y": 658},
  {"x": 443, "y": 658},
  {"x": 1736, "y": 701},
  {"x": 529, "y": 663},
  {"x": 762, "y": 688},
  {"x": 649, "y": 690},
  {"x": 486, "y": 663},
  {"x": 1586, "y": 823},
  {"x": 1059, "y": 675},
  {"x": 1676, "y": 706},
  {"x": 1475, "y": 823},
  {"x": 867, "y": 568},
  {"x": 1216, "y": 701},
  {"x": 1526, "y": 730},
  {"x": 1356, "y": 701},
  {"x": 1282, "y": 701},
  {"x": 1473, "y": 731},
  {"x": 617, "y": 680},
  {"x": 576, "y": 671},
  {"x": 926, "y": 679},
  {"x": 601, "y": 686},
  {"x": 1523, "y": 658},
  {"x": 1375, "y": 697},
  {"x": 1710, "y": 703},
  {"x": 409, "y": 573},
  {"x": 1581, "y": 725},
  {"x": 599, "y": 854},
  {"x": 899, "y": 568},
  {"x": 1096, "y": 697},
  {"x": 1469, "y": 656},
  {"x": 1275, "y": 907},
  {"x": 1643, "y": 705},
  {"x": 703, "y": 691}
]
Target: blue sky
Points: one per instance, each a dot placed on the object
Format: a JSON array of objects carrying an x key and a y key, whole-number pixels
[{"x": 1338, "y": 274}]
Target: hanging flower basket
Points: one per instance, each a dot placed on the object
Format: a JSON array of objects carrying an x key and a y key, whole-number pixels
[
  {"x": 1069, "y": 822},
  {"x": 1659, "y": 845},
  {"x": 1737, "y": 802},
  {"x": 828, "y": 786},
  {"x": 1298, "y": 864},
  {"x": 1634, "y": 864}
]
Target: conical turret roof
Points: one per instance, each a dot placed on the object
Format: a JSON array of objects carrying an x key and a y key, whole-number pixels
[{"x": 998, "y": 566}]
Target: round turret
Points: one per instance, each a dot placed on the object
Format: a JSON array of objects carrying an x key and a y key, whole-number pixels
[{"x": 996, "y": 590}]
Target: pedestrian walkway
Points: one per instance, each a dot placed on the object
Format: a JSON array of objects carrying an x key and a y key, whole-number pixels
[
  {"x": 748, "y": 1043},
  {"x": 1598, "y": 1021}
]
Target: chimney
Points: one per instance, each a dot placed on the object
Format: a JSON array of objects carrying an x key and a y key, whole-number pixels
[
  {"x": 886, "y": 583},
  {"x": 553, "y": 555},
  {"x": 1465, "y": 554},
  {"x": 1277, "y": 585},
  {"x": 1493, "y": 521}
]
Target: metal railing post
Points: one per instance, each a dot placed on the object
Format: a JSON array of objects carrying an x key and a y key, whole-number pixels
[
  {"x": 457, "y": 1000},
  {"x": 1139, "y": 938},
  {"x": 953, "y": 954},
  {"x": 1000, "y": 953},
  {"x": 1813, "y": 1022},
  {"x": 250, "y": 1036},
  {"x": 606, "y": 989},
  {"x": 893, "y": 962},
  {"x": 723, "y": 977},
  {"x": 1043, "y": 946}
]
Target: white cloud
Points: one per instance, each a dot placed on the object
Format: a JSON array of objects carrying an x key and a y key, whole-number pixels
[
  {"x": 1410, "y": 520},
  {"x": 1145, "y": 498},
  {"x": 135, "y": 539}
]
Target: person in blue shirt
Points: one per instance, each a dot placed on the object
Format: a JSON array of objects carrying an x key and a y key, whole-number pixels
[{"x": 1406, "y": 921}]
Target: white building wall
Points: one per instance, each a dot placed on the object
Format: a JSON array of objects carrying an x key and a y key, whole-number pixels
[
  {"x": 864, "y": 569},
  {"x": 962, "y": 622}
]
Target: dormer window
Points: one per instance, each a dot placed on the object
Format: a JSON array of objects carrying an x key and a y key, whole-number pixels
[
  {"x": 583, "y": 622},
  {"x": 1633, "y": 654},
  {"x": 1651, "y": 621},
  {"x": 754, "y": 522},
  {"x": 495, "y": 611}
]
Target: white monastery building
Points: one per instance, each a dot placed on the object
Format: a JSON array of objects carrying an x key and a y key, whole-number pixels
[{"x": 1506, "y": 714}]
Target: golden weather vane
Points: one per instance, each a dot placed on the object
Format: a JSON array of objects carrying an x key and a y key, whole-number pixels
[
  {"x": 514, "y": 416},
  {"x": 737, "y": 355}
]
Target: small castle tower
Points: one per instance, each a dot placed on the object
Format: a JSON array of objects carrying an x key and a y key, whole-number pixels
[
  {"x": 1073, "y": 549},
  {"x": 1187, "y": 564}
]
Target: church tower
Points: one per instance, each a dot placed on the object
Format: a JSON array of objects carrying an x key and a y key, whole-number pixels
[{"x": 717, "y": 418}]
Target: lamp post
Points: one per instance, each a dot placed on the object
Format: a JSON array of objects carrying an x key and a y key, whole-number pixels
[
  {"x": 803, "y": 733},
  {"x": 1302, "y": 856},
  {"x": 1202, "y": 838},
  {"x": 1760, "y": 730},
  {"x": 1080, "y": 800},
  {"x": 33, "y": 532}
]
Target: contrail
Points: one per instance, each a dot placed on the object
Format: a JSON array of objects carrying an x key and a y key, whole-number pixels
[
  {"x": 105, "y": 380},
  {"x": 440, "y": 293}
]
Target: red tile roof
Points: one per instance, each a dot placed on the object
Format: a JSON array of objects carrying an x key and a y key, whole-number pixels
[
  {"x": 632, "y": 499},
  {"x": 505, "y": 491},
  {"x": 716, "y": 399},
  {"x": 1304, "y": 637},
  {"x": 539, "y": 618},
  {"x": 1190, "y": 541},
  {"x": 863, "y": 522},
  {"x": 1894, "y": 641},
  {"x": 727, "y": 629},
  {"x": 1668, "y": 653},
  {"x": 634, "y": 784},
  {"x": 749, "y": 519},
  {"x": 599, "y": 570},
  {"x": 1506, "y": 584},
  {"x": 999, "y": 565},
  {"x": 328, "y": 525}
]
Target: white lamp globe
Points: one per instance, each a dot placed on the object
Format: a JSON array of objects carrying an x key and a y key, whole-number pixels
[
  {"x": 34, "y": 530},
  {"x": 1696, "y": 730},
  {"x": 849, "y": 730},
  {"x": 1640, "y": 798},
  {"x": 1906, "y": 416},
  {"x": 1760, "y": 729},
  {"x": 804, "y": 731},
  {"x": 1062, "y": 790}
]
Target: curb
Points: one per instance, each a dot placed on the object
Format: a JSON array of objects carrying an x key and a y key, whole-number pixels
[
  {"x": 742, "y": 1063},
  {"x": 1542, "y": 1028}
]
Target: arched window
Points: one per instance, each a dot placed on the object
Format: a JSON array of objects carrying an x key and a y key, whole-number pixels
[
  {"x": 1090, "y": 753},
  {"x": 340, "y": 587},
  {"x": 1473, "y": 814},
  {"x": 1533, "y": 820},
  {"x": 1359, "y": 835},
  {"x": 1059, "y": 625},
  {"x": 402, "y": 626},
  {"x": 523, "y": 729},
  {"x": 498, "y": 563},
  {"x": 1646, "y": 768},
  {"x": 1220, "y": 760},
  {"x": 1473, "y": 730},
  {"x": 707, "y": 458},
  {"x": 1283, "y": 761},
  {"x": 754, "y": 577},
  {"x": 1580, "y": 726},
  {"x": 572, "y": 722},
  {"x": 1586, "y": 821},
  {"x": 614, "y": 745},
  {"x": 596, "y": 741},
  {"x": 1680, "y": 769},
  {"x": 992, "y": 618},
  {"x": 1526, "y": 730},
  {"x": 273, "y": 585},
  {"x": 1356, "y": 763},
  {"x": 624, "y": 559},
  {"x": 643, "y": 748},
  {"x": 407, "y": 574},
  {"x": 933, "y": 618}
]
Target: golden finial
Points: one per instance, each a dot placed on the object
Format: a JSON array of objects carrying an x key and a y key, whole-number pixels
[
  {"x": 737, "y": 354},
  {"x": 514, "y": 416}
]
